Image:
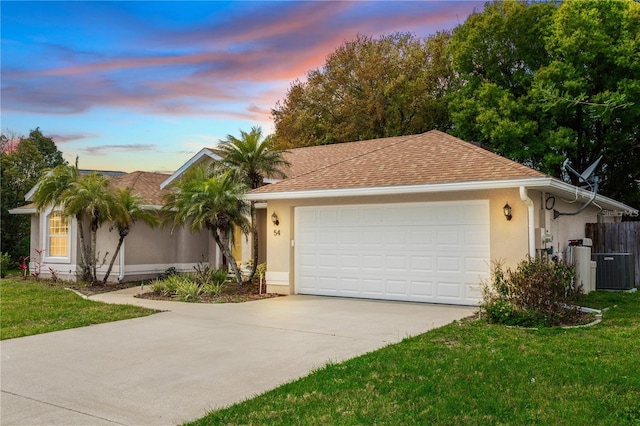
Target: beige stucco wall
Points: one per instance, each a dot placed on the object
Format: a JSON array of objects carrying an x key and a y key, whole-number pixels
[
  {"x": 509, "y": 240},
  {"x": 149, "y": 252}
]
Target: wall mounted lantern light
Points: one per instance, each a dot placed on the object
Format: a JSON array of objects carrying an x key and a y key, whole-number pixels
[
  {"x": 507, "y": 211},
  {"x": 274, "y": 219}
]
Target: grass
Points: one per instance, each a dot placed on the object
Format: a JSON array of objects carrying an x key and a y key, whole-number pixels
[
  {"x": 34, "y": 307},
  {"x": 470, "y": 373}
]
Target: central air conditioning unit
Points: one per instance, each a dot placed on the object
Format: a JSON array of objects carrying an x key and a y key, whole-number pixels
[{"x": 615, "y": 271}]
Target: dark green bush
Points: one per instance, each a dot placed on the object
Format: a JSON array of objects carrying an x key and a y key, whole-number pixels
[
  {"x": 5, "y": 260},
  {"x": 537, "y": 293}
]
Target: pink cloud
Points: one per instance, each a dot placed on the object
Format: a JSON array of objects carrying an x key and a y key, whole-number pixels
[
  {"x": 209, "y": 69},
  {"x": 70, "y": 137},
  {"x": 110, "y": 149}
]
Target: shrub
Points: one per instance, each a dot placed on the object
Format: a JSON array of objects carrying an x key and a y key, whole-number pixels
[
  {"x": 166, "y": 287},
  {"x": 204, "y": 274},
  {"x": 5, "y": 260},
  {"x": 537, "y": 292},
  {"x": 213, "y": 289},
  {"x": 188, "y": 291}
]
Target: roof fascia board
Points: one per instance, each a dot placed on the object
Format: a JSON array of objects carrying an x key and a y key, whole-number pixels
[
  {"x": 574, "y": 191},
  {"x": 31, "y": 210},
  {"x": 542, "y": 183},
  {"x": 400, "y": 189},
  {"x": 203, "y": 152}
]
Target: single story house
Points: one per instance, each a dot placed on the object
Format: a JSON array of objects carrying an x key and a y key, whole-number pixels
[
  {"x": 145, "y": 253},
  {"x": 412, "y": 218}
]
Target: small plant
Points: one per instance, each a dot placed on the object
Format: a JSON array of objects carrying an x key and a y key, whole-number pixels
[
  {"x": 204, "y": 274},
  {"x": 537, "y": 292},
  {"x": 5, "y": 259},
  {"x": 261, "y": 270},
  {"x": 188, "y": 290},
  {"x": 37, "y": 260},
  {"x": 54, "y": 275},
  {"x": 166, "y": 287},
  {"x": 24, "y": 266},
  {"x": 213, "y": 289},
  {"x": 170, "y": 271}
]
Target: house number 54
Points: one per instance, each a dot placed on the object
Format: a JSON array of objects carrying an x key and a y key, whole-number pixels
[{"x": 276, "y": 232}]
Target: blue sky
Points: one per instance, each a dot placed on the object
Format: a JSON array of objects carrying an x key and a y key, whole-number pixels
[{"x": 145, "y": 85}]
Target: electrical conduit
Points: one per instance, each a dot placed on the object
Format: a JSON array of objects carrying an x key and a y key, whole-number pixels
[{"x": 532, "y": 230}]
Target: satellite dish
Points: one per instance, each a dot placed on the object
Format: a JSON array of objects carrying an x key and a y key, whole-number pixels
[
  {"x": 589, "y": 178},
  {"x": 588, "y": 174}
]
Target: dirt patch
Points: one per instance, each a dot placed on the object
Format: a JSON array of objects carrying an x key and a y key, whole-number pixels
[{"x": 90, "y": 290}]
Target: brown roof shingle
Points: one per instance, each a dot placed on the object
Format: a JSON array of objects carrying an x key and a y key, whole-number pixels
[
  {"x": 145, "y": 184},
  {"x": 432, "y": 157}
]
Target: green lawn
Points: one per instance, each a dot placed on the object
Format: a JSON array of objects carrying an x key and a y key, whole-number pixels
[
  {"x": 34, "y": 307},
  {"x": 473, "y": 373}
]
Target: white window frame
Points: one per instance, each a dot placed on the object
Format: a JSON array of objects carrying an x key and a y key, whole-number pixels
[{"x": 44, "y": 239}]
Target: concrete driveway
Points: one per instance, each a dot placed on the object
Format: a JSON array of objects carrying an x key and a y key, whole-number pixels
[{"x": 177, "y": 365}]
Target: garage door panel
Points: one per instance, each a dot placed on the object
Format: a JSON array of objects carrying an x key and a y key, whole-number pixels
[
  {"x": 372, "y": 287},
  {"x": 429, "y": 252},
  {"x": 396, "y": 264},
  {"x": 449, "y": 290},
  {"x": 448, "y": 264},
  {"x": 451, "y": 238},
  {"x": 475, "y": 264},
  {"x": 422, "y": 289},
  {"x": 396, "y": 288},
  {"x": 421, "y": 264}
]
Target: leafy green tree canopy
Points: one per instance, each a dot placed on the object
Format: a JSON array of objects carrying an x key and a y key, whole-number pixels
[
  {"x": 23, "y": 159},
  {"x": 368, "y": 88},
  {"x": 541, "y": 82}
]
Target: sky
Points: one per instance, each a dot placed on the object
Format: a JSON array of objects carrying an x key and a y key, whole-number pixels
[{"x": 145, "y": 85}]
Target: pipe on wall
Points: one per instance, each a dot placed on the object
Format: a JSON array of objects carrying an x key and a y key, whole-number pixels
[
  {"x": 121, "y": 262},
  {"x": 530, "y": 218}
]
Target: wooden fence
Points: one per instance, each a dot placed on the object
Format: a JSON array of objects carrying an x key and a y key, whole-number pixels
[{"x": 623, "y": 237}]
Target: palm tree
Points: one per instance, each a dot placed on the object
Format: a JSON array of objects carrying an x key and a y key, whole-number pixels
[
  {"x": 89, "y": 196},
  {"x": 51, "y": 190},
  {"x": 204, "y": 198},
  {"x": 79, "y": 196},
  {"x": 253, "y": 159},
  {"x": 127, "y": 210}
]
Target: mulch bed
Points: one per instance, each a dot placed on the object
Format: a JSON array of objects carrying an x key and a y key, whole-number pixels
[{"x": 232, "y": 293}]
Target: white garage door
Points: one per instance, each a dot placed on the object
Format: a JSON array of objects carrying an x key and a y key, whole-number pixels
[{"x": 422, "y": 252}]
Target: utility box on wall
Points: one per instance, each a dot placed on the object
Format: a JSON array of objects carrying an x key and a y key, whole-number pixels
[{"x": 614, "y": 271}]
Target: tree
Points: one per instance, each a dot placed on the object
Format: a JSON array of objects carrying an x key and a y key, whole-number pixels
[
  {"x": 590, "y": 90},
  {"x": 80, "y": 196},
  {"x": 126, "y": 211},
  {"x": 368, "y": 88},
  {"x": 206, "y": 198},
  {"x": 252, "y": 159},
  {"x": 541, "y": 82},
  {"x": 22, "y": 162}
]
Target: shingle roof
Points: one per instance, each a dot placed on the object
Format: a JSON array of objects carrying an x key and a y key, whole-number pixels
[
  {"x": 145, "y": 184},
  {"x": 432, "y": 157}
]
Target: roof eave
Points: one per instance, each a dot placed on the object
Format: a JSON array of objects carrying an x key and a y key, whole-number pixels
[
  {"x": 32, "y": 210},
  {"x": 203, "y": 152},
  {"x": 539, "y": 183}
]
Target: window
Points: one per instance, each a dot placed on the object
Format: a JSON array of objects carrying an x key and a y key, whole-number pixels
[{"x": 58, "y": 235}]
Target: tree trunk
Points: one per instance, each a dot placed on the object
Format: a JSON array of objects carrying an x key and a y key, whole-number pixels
[
  {"x": 223, "y": 243},
  {"x": 254, "y": 233},
  {"x": 115, "y": 255},
  {"x": 94, "y": 260},
  {"x": 86, "y": 272}
]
